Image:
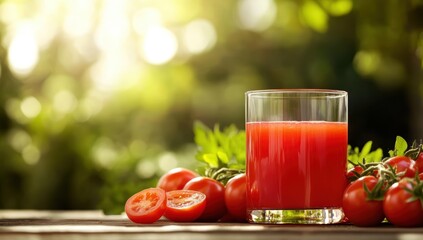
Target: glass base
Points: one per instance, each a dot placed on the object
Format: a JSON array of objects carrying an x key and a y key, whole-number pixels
[{"x": 296, "y": 216}]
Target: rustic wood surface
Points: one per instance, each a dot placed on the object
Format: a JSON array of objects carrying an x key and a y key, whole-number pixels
[{"x": 28, "y": 225}]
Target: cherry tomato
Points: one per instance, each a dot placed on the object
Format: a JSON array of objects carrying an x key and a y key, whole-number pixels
[
  {"x": 402, "y": 165},
  {"x": 399, "y": 209},
  {"x": 357, "y": 208},
  {"x": 175, "y": 179},
  {"x": 184, "y": 205},
  {"x": 146, "y": 206},
  {"x": 419, "y": 162},
  {"x": 351, "y": 173},
  {"x": 215, "y": 197},
  {"x": 236, "y": 197}
]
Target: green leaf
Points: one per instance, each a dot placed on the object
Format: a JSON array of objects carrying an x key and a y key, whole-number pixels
[
  {"x": 375, "y": 156},
  {"x": 223, "y": 157},
  {"x": 218, "y": 148},
  {"x": 400, "y": 146},
  {"x": 366, "y": 154},
  {"x": 200, "y": 134},
  {"x": 211, "y": 159},
  {"x": 365, "y": 150}
]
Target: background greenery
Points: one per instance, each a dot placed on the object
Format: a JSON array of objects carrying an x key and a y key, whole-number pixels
[{"x": 98, "y": 98}]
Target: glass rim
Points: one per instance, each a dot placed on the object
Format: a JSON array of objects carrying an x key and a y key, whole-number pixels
[{"x": 278, "y": 92}]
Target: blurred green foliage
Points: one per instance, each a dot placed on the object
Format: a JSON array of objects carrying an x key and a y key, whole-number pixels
[{"x": 98, "y": 98}]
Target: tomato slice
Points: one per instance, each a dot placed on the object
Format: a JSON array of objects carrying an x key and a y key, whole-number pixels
[
  {"x": 184, "y": 205},
  {"x": 146, "y": 206}
]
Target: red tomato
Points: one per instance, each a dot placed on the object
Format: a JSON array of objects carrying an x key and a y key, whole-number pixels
[
  {"x": 419, "y": 162},
  {"x": 215, "y": 197},
  {"x": 357, "y": 208},
  {"x": 175, "y": 179},
  {"x": 146, "y": 206},
  {"x": 399, "y": 209},
  {"x": 236, "y": 197},
  {"x": 184, "y": 205},
  {"x": 402, "y": 165},
  {"x": 351, "y": 173}
]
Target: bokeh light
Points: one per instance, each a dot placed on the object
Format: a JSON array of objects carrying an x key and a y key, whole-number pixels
[
  {"x": 167, "y": 161},
  {"x": 314, "y": 16},
  {"x": 338, "y": 7},
  {"x": 30, "y": 107},
  {"x": 23, "y": 50},
  {"x": 31, "y": 154},
  {"x": 19, "y": 139},
  {"x": 146, "y": 168},
  {"x": 104, "y": 153},
  {"x": 89, "y": 106},
  {"x": 145, "y": 19},
  {"x": 79, "y": 19},
  {"x": 64, "y": 102},
  {"x": 256, "y": 15},
  {"x": 159, "y": 45},
  {"x": 102, "y": 95},
  {"x": 199, "y": 36}
]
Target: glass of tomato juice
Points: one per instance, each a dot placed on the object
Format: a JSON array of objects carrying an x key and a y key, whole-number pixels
[{"x": 297, "y": 142}]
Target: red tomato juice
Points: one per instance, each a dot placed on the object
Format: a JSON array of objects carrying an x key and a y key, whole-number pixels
[{"x": 296, "y": 165}]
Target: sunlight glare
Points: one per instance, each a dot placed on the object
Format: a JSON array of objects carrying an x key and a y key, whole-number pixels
[
  {"x": 159, "y": 46},
  {"x": 145, "y": 19},
  {"x": 9, "y": 12},
  {"x": 23, "y": 50},
  {"x": 113, "y": 28},
  {"x": 80, "y": 19}
]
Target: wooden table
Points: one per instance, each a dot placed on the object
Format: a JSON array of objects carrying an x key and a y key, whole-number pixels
[{"x": 58, "y": 225}]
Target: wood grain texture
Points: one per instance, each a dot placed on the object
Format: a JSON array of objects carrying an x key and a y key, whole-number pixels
[{"x": 64, "y": 225}]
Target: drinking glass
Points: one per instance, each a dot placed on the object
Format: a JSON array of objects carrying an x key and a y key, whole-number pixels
[{"x": 297, "y": 143}]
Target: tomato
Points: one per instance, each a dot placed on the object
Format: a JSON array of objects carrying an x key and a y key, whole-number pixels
[
  {"x": 184, "y": 205},
  {"x": 419, "y": 162},
  {"x": 352, "y": 173},
  {"x": 357, "y": 208},
  {"x": 236, "y": 197},
  {"x": 175, "y": 179},
  {"x": 146, "y": 206},
  {"x": 402, "y": 165},
  {"x": 399, "y": 209},
  {"x": 215, "y": 197}
]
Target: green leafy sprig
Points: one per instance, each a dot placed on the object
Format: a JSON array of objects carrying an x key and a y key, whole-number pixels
[
  {"x": 400, "y": 147},
  {"x": 364, "y": 156},
  {"x": 221, "y": 153}
]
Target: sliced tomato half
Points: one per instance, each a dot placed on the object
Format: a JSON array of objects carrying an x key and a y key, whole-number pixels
[
  {"x": 146, "y": 206},
  {"x": 184, "y": 205}
]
